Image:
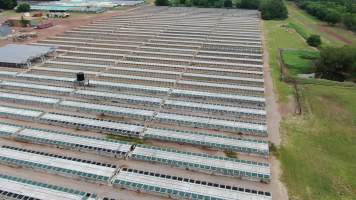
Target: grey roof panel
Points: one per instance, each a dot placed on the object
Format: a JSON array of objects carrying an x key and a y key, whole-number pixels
[{"x": 21, "y": 54}]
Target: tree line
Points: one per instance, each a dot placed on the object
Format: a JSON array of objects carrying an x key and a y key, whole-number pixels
[
  {"x": 8, "y": 4},
  {"x": 337, "y": 64},
  {"x": 270, "y": 9},
  {"x": 331, "y": 11},
  {"x": 11, "y": 4}
]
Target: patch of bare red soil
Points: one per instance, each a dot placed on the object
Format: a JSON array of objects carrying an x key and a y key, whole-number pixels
[{"x": 335, "y": 35}]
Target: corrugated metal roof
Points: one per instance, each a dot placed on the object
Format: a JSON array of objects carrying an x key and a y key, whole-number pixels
[{"x": 21, "y": 54}]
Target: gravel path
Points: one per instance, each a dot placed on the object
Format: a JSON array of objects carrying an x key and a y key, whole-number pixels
[{"x": 273, "y": 120}]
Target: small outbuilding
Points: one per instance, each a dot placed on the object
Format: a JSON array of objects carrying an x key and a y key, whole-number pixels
[{"x": 15, "y": 55}]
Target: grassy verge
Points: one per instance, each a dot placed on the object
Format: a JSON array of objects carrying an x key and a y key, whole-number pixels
[
  {"x": 318, "y": 156},
  {"x": 299, "y": 61},
  {"x": 151, "y": 2},
  {"x": 318, "y": 150},
  {"x": 230, "y": 154},
  {"x": 127, "y": 139},
  {"x": 346, "y": 84},
  {"x": 299, "y": 29},
  {"x": 278, "y": 36},
  {"x": 312, "y": 25},
  {"x": 9, "y": 13}
]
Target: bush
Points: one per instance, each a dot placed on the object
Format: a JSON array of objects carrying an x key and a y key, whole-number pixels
[
  {"x": 273, "y": 9},
  {"x": 249, "y": 4},
  {"x": 350, "y": 21},
  {"x": 331, "y": 11},
  {"x": 230, "y": 154},
  {"x": 8, "y": 4},
  {"x": 161, "y": 2},
  {"x": 218, "y": 4},
  {"x": 24, "y": 7},
  {"x": 337, "y": 63},
  {"x": 299, "y": 29},
  {"x": 174, "y": 2},
  {"x": 188, "y": 3},
  {"x": 317, "y": 10},
  {"x": 228, "y": 4},
  {"x": 314, "y": 40},
  {"x": 332, "y": 17},
  {"x": 273, "y": 149}
]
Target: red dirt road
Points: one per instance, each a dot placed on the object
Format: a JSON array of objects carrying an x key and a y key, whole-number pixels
[{"x": 335, "y": 35}]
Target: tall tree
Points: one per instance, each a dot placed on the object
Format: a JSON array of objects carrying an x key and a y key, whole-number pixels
[
  {"x": 350, "y": 21},
  {"x": 273, "y": 9},
  {"x": 314, "y": 40},
  {"x": 332, "y": 17},
  {"x": 23, "y": 7},
  {"x": 161, "y": 2},
  {"x": 249, "y": 4},
  {"x": 228, "y": 4},
  {"x": 8, "y": 4},
  {"x": 337, "y": 63}
]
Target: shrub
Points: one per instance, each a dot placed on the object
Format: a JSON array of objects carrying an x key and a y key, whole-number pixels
[
  {"x": 161, "y": 2},
  {"x": 218, "y": 4},
  {"x": 337, "y": 63},
  {"x": 249, "y": 4},
  {"x": 8, "y": 4},
  {"x": 350, "y": 21},
  {"x": 23, "y": 7},
  {"x": 317, "y": 10},
  {"x": 188, "y": 3},
  {"x": 273, "y": 9},
  {"x": 273, "y": 149},
  {"x": 174, "y": 2},
  {"x": 203, "y": 3},
  {"x": 230, "y": 154},
  {"x": 332, "y": 17},
  {"x": 314, "y": 40},
  {"x": 228, "y": 4},
  {"x": 331, "y": 11},
  {"x": 299, "y": 29}
]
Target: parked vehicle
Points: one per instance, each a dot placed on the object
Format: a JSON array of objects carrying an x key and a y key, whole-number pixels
[
  {"x": 58, "y": 15},
  {"x": 44, "y": 25}
]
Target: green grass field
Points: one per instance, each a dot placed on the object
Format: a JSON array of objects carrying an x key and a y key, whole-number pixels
[
  {"x": 299, "y": 61},
  {"x": 318, "y": 152},
  {"x": 318, "y": 157},
  {"x": 278, "y": 36},
  {"x": 123, "y": 138},
  {"x": 299, "y": 29},
  {"x": 8, "y": 13},
  {"x": 313, "y": 25}
]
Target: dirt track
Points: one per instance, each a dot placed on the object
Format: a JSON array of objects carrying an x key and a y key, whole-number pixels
[
  {"x": 335, "y": 35},
  {"x": 273, "y": 120}
]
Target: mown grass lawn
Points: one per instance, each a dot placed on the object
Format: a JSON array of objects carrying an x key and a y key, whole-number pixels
[
  {"x": 313, "y": 25},
  {"x": 319, "y": 152},
  {"x": 124, "y": 138},
  {"x": 278, "y": 36},
  {"x": 299, "y": 61}
]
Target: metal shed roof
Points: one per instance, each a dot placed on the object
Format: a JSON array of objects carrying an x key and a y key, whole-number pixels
[
  {"x": 35, "y": 190},
  {"x": 22, "y": 54}
]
